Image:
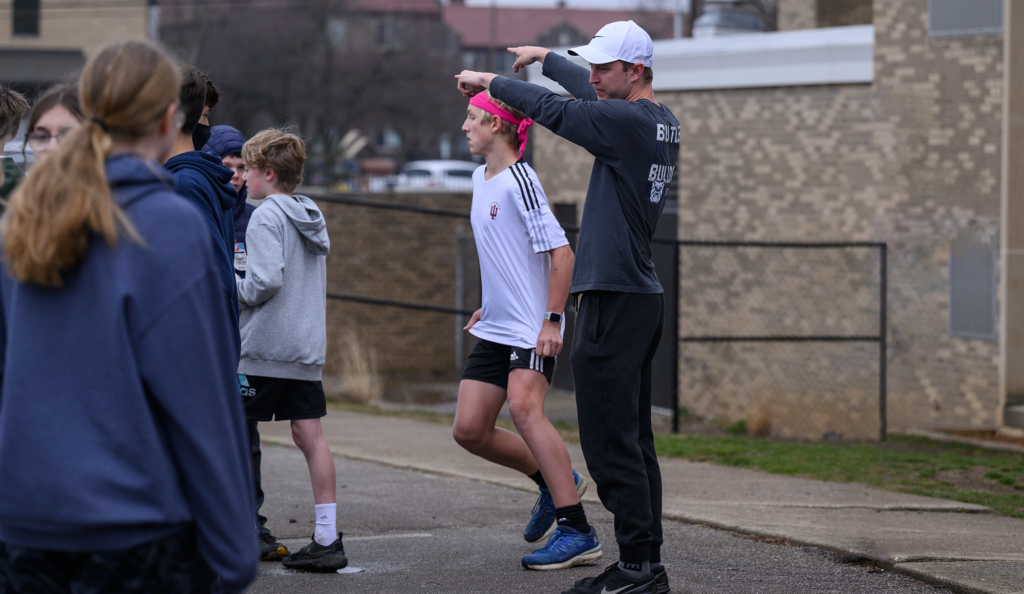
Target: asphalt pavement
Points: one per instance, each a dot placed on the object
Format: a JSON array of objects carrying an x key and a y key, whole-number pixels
[
  {"x": 422, "y": 514},
  {"x": 414, "y": 531}
]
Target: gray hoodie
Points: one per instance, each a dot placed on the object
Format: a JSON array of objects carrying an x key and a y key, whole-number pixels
[{"x": 283, "y": 297}]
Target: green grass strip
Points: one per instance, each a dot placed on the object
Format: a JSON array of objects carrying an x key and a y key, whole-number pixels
[{"x": 904, "y": 464}]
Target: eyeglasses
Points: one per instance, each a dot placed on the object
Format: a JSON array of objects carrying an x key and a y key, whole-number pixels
[{"x": 42, "y": 139}]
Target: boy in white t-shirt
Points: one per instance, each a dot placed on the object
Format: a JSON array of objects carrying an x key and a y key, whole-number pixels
[{"x": 525, "y": 269}]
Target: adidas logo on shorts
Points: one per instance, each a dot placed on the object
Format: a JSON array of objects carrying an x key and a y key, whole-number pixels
[
  {"x": 243, "y": 387},
  {"x": 514, "y": 357}
]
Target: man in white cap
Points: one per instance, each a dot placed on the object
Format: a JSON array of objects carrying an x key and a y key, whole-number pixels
[{"x": 620, "y": 312}]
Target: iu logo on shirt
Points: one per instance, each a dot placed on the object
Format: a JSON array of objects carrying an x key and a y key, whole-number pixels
[{"x": 494, "y": 210}]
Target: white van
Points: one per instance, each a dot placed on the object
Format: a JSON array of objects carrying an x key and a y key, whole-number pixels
[{"x": 439, "y": 175}]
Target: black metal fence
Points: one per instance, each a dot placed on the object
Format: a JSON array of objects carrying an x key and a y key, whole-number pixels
[{"x": 686, "y": 324}]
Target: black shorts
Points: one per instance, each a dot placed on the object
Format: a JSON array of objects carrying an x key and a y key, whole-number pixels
[
  {"x": 279, "y": 399},
  {"x": 491, "y": 362}
]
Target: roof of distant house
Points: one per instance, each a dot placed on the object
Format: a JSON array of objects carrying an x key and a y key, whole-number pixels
[
  {"x": 395, "y": 6},
  {"x": 522, "y": 26}
]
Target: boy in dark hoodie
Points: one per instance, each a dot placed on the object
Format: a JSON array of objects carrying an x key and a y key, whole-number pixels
[
  {"x": 226, "y": 142},
  {"x": 284, "y": 325},
  {"x": 201, "y": 178},
  {"x": 201, "y": 133}
]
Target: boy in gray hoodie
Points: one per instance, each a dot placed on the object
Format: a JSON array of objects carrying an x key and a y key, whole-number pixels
[{"x": 283, "y": 300}]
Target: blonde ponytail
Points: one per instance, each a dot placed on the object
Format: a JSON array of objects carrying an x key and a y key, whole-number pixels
[{"x": 125, "y": 89}]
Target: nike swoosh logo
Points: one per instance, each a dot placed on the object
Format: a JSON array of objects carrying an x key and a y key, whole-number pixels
[{"x": 605, "y": 590}]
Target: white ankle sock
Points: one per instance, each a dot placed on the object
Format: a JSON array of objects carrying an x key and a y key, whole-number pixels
[{"x": 326, "y": 525}]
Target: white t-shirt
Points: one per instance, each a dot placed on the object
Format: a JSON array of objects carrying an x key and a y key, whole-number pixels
[{"x": 513, "y": 227}]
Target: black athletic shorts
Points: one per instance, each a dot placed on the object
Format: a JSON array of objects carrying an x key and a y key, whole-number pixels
[
  {"x": 490, "y": 362},
  {"x": 279, "y": 399}
]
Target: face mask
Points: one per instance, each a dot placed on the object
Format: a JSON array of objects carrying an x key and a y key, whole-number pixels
[{"x": 200, "y": 136}]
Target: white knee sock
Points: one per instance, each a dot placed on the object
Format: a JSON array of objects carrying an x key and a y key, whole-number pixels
[{"x": 326, "y": 525}]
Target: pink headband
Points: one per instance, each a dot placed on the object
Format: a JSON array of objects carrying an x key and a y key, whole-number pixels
[{"x": 482, "y": 101}]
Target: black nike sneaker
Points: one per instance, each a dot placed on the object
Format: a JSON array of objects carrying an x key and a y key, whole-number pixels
[
  {"x": 615, "y": 581},
  {"x": 660, "y": 580},
  {"x": 316, "y": 557}
]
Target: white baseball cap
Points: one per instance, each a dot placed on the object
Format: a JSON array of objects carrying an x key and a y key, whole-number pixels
[{"x": 621, "y": 40}]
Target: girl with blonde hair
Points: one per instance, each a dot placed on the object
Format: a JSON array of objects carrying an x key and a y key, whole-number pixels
[{"x": 123, "y": 455}]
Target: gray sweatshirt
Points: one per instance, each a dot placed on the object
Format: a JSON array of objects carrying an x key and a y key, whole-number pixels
[
  {"x": 283, "y": 297},
  {"x": 635, "y": 146}
]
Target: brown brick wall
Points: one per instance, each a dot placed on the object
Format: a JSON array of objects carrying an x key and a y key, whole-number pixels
[
  {"x": 398, "y": 255},
  {"x": 841, "y": 13},
  {"x": 913, "y": 160},
  {"x": 797, "y": 14},
  {"x": 812, "y": 14},
  {"x": 941, "y": 101}
]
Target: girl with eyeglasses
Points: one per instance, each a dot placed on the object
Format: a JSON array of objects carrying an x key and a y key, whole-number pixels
[{"x": 55, "y": 114}]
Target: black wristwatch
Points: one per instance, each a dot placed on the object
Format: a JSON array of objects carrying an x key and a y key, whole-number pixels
[{"x": 554, "y": 318}]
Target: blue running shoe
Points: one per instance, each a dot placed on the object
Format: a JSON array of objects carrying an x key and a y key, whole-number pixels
[
  {"x": 565, "y": 548},
  {"x": 542, "y": 519}
]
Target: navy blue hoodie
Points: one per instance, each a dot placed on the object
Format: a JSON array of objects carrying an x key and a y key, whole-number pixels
[
  {"x": 201, "y": 178},
  {"x": 224, "y": 141},
  {"x": 120, "y": 420}
]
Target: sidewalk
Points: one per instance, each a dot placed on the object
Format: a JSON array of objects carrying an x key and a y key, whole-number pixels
[{"x": 962, "y": 546}]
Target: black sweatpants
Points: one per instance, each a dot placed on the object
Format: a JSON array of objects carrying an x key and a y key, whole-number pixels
[
  {"x": 616, "y": 337},
  {"x": 256, "y": 457}
]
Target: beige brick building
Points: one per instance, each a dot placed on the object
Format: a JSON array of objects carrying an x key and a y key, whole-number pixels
[
  {"x": 887, "y": 129},
  {"x": 73, "y": 24},
  {"x": 42, "y": 42}
]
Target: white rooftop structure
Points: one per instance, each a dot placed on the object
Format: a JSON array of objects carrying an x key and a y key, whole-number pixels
[{"x": 828, "y": 56}]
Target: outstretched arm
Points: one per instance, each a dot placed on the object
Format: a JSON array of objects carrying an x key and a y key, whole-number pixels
[
  {"x": 528, "y": 54},
  {"x": 472, "y": 83},
  {"x": 601, "y": 127},
  {"x": 572, "y": 77}
]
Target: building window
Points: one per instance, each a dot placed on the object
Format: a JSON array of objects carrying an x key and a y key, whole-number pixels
[
  {"x": 972, "y": 287},
  {"x": 388, "y": 37},
  {"x": 337, "y": 32},
  {"x": 26, "y": 17},
  {"x": 963, "y": 18}
]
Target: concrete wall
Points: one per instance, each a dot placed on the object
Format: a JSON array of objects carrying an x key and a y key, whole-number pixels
[
  {"x": 912, "y": 159},
  {"x": 78, "y": 24}
]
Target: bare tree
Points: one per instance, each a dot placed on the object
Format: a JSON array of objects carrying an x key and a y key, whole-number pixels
[{"x": 328, "y": 69}]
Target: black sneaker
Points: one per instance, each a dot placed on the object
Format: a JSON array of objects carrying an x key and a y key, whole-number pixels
[
  {"x": 270, "y": 549},
  {"x": 316, "y": 557},
  {"x": 614, "y": 580},
  {"x": 660, "y": 580}
]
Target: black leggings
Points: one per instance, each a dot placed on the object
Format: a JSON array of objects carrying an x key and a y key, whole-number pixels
[
  {"x": 170, "y": 565},
  {"x": 616, "y": 337}
]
